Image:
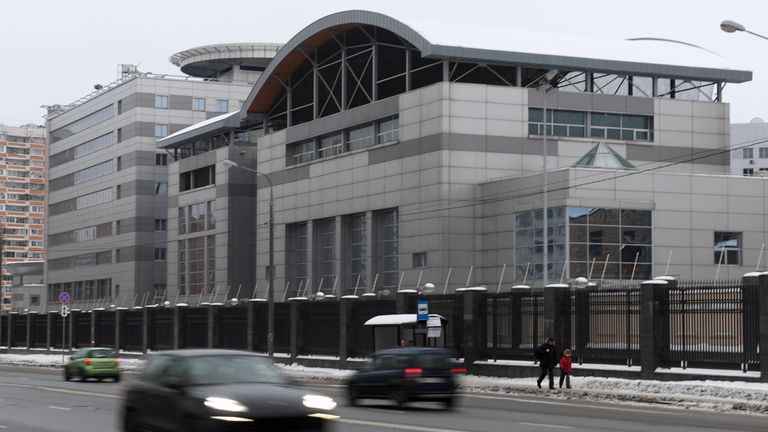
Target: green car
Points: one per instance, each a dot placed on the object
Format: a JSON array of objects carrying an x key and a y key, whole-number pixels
[{"x": 96, "y": 363}]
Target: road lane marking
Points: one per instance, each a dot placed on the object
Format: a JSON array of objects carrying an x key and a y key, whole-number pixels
[
  {"x": 3, "y": 427},
  {"x": 531, "y": 401},
  {"x": 546, "y": 425},
  {"x": 395, "y": 426},
  {"x": 384, "y": 410},
  {"x": 61, "y": 390},
  {"x": 59, "y": 408}
]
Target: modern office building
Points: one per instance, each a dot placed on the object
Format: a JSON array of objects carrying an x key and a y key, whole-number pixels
[
  {"x": 108, "y": 182},
  {"x": 399, "y": 155},
  {"x": 750, "y": 143},
  {"x": 27, "y": 287},
  {"x": 22, "y": 199}
]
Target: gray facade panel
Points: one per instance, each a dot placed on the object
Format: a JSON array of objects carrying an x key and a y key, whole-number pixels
[
  {"x": 344, "y": 119},
  {"x": 199, "y": 161},
  {"x": 592, "y": 102},
  {"x": 179, "y": 102},
  {"x": 677, "y": 154}
]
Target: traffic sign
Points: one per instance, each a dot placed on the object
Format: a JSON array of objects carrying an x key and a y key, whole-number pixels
[
  {"x": 422, "y": 308},
  {"x": 64, "y": 297},
  {"x": 64, "y": 311}
]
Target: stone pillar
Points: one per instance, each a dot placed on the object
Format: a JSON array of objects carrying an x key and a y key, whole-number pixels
[
  {"x": 581, "y": 298},
  {"x": 654, "y": 324},
  {"x": 763, "y": 329},
  {"x": 344, "y": 333},
  {"x": 144, "y": 330},
  {"x": 295, "y": 328},
  {"x": 211, "y": 325},
  {"x": 118, "y": 322},
  {"x": 250, "y": 319},
  {"x": 176, "y": 326},
  {"x": 93, "y": 328},
  {"x": 472, "y": 324},
  {"x": 557, "y": 313},
  {"x": 28, "y": 343},
  {"x": 48, "y": 324},
  {"x": 11, "y": 318},
  {"x": 405, "y": 301}
]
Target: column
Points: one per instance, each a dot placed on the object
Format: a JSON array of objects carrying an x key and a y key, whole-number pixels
[
  {"x": 654, "y": 334},
  {"x": 557, "y": 313}
]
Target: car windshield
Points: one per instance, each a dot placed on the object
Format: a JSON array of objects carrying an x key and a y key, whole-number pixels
[
  {"x": 101, "y": 353},
  {"x": 229, "y": 369}
]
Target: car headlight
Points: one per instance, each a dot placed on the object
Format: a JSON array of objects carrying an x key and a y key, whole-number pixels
[
  {"x": 224, "y": 404},
  {"x": 319, "y": 402}
]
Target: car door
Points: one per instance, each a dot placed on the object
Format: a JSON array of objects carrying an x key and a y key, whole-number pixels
[
  {"x": 384, "y": 375},
  {"x": 73, "y": 364},
  {"x": 151, "y": 396},
  {"x": 362, "y": 379}
]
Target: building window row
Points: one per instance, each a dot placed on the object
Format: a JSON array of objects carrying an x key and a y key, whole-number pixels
[
  {"x": 86, "y": 122},
  {"x": 84, "y": 149},
  {"x": 21, "y": 197},
  {"x": 201, "y": 217},
  {"x": 81, "y": 234},
  {"x": 81, "y": 202},
  {"x": 353, "y": 257},
  {"x": 197, "y": 265},
  {"x": 197, "y": 178},
  {"x": 383, "y": 131},
  {"x": 22, "y": 139},
  {"x": 581, "y": 124},
  {"x": 93, "y": 172},
  {"x": 81, "y": 290},
  {"x": 78, "y": 261}
]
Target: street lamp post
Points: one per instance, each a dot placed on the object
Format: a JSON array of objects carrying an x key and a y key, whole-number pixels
[
  {"x": 729, "y": 26},
  {"x": 271, "y": 269}
]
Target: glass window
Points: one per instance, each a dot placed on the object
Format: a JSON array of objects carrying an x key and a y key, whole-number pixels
[
  {"x": 161, "y": 101},
  {"x": 197, "y": 214},
  {"x": 161, "y": 159},
  {"x": 182, "y": 220},
  {"x": 160, "y": 254},
  {"x": 182, "y": 244},
  {"x": 93, "y": 172},
  {"x": 161, "y": 130},
  {"x": 211, "y": 214},
  {"x": 763, "y": 152},
  {"x": 198, "y": 104},
  {"x": 325, "y": 250},
  {"x": 389, "y": 130},
  {"x": 301, "y": 152},
  {"x": 748, "y": 172},
  {"x": 210, "y": 262},
  {"x": 387, "y": 241},
  {"x": 747, "y": 153},
  {"x": 161, "y": 224},
  {"x": 86, "y": 122},
  {"x": 196, "y": 265},
  {"x": 297, "y": 256},
  {"x": 161, "y": 188},
  {"x": 330, "y": 145},
  {"x": 222, "y": 105},
  {"x": 727, "y": 248},
  {"x": 419, "y": 260},
  {"x": 358, "y": 251},
  {"x": 360, "y": 137},
  {"x": 559, "y": 122}
]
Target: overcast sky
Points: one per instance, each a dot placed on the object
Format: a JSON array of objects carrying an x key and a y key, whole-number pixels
[{"x": 53, "y": 52}]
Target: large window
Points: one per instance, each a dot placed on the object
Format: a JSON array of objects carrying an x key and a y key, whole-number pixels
[
  {"x": 84, "y": 149},
  {"x": 563, "y": 123},
  {"x": 388, "y": 130},
  {"x": 529, "y": 244},
  {"x": 197, "y": 178},
  {"x": 90, "y": 120},
  {"x": 360, "y": 137},
  {"x": 763, "y": 152},
  {"x": 727, "y": 248},
  {"x": 297, "y": 256},
  {"x": 222, "y": 105},
  {"x": 92, "y": 199},
  {"x": 93, "y": 172},
  {"x": 387, "y": 252},
  {"x": 357, "y": 252},
  {"x": 197, "y": 217},
  {"x": 747, "y": 153},
  {"x": 616, "y": 243},
  {"x": 161, "y": 130},
  {"x": 196, "y": 264},
  {"x": 198, "y": 104},
  {"x": 161, "y": 101},
  {"x": 331, "y": 144},
  {"x": 325, "y": 251},
  {"x": 197, "y": 214}
]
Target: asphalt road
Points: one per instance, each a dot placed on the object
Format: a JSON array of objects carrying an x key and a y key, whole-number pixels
[{"x": 40, "y": 401}]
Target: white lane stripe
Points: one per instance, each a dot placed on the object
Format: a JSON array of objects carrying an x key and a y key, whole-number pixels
[
  {"x": 384, "y": 410},
  {"x": 607, "y": 408},
  {"x": 395, "y": 426},
  {"x": 3, "y": 427},
  {"x": 59, "y": 408},
  {"x": 546, "y": 425},
  {"x": 60, "y": 390}
]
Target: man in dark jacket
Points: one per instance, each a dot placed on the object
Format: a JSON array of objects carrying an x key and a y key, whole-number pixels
[{"x": 546, "y": 354}]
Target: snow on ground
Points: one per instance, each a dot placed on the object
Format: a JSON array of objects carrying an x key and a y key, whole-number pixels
[{"x": 714, "y": 395}]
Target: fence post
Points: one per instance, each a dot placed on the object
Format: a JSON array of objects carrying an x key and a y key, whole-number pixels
[
  {"x": 404, "y": 299},
  {"x": 93, "y": 328},
  {"x": 471, "y": 323},
  {"x": 10, "y": 328},
  {"x": 557, "y": 313},
  {"x": 581, "y": 299},
  {"x": 48, "y": 330},
  {"x": 73, "y": 316},
  {"x": 144, "y": 330},
  {"x": 29, "y": 331},
  {"x": 118, "y": 322},
  {"x": 211, "y": 323},
  {"x": 176, "y": 326},
  {"x": 344, "y": 334},
  {"x": 763, "y": 329},
  {"x": 295, "y": 326},
  {"x": 654, "y": 335}
]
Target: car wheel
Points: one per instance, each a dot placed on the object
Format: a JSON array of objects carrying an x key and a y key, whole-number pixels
[
  {"x": 449, "y": 403},
  {"x": 67, "y": 376},
  {"x": 82, "y": 375},
  {"x": 116, "y": 378},
  {"x": 398, "y": 397}
]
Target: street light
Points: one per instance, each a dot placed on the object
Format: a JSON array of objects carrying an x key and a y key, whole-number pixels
[
  {"x": 546, "y": 85},
  {"x": 729, "y": 26},
  {"x": 271, "y": 290}
]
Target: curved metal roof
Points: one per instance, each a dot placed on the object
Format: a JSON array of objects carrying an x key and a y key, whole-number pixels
[{"x": 483, "y": 44}]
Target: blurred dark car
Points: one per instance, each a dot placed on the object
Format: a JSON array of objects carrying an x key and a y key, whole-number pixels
[
  {"x": 407, "y": 375},
  {"x": 220, "y": 390}
]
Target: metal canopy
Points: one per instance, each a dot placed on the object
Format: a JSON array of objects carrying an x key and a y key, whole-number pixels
[{"x": 213, "y": 126}]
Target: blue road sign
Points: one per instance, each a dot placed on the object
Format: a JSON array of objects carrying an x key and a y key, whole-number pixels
[
  {"x": 64, "y": 297},
  {"x": 422, "y": 310}
]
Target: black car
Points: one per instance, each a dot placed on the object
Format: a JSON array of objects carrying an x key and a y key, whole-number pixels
[
  {"x": 405, "y": 375},
  {"x": 219, "y": 390}
]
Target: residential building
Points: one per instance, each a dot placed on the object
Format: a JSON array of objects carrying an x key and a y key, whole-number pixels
[
  {"x": 108, "y": 183},
  {"x": 22, "y": 199},
  {"x": 750, "y": 143},
  {"x": 399, "y": 155}
]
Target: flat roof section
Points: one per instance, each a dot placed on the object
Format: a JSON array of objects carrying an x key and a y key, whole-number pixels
[{"x": 210, "y": 61}]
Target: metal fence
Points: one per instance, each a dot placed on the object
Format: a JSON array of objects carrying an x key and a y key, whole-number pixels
[
  {"x": 712, "y": 325},
  {"x": 605, "y": 324},
  {"x": 514, "y": 324},
  {"x": 319, "y": 328}
]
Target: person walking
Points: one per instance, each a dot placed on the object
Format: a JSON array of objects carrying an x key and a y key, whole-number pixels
[
  {"x": 546, "y": 354},
  {"x": 566, "y": 368}
]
